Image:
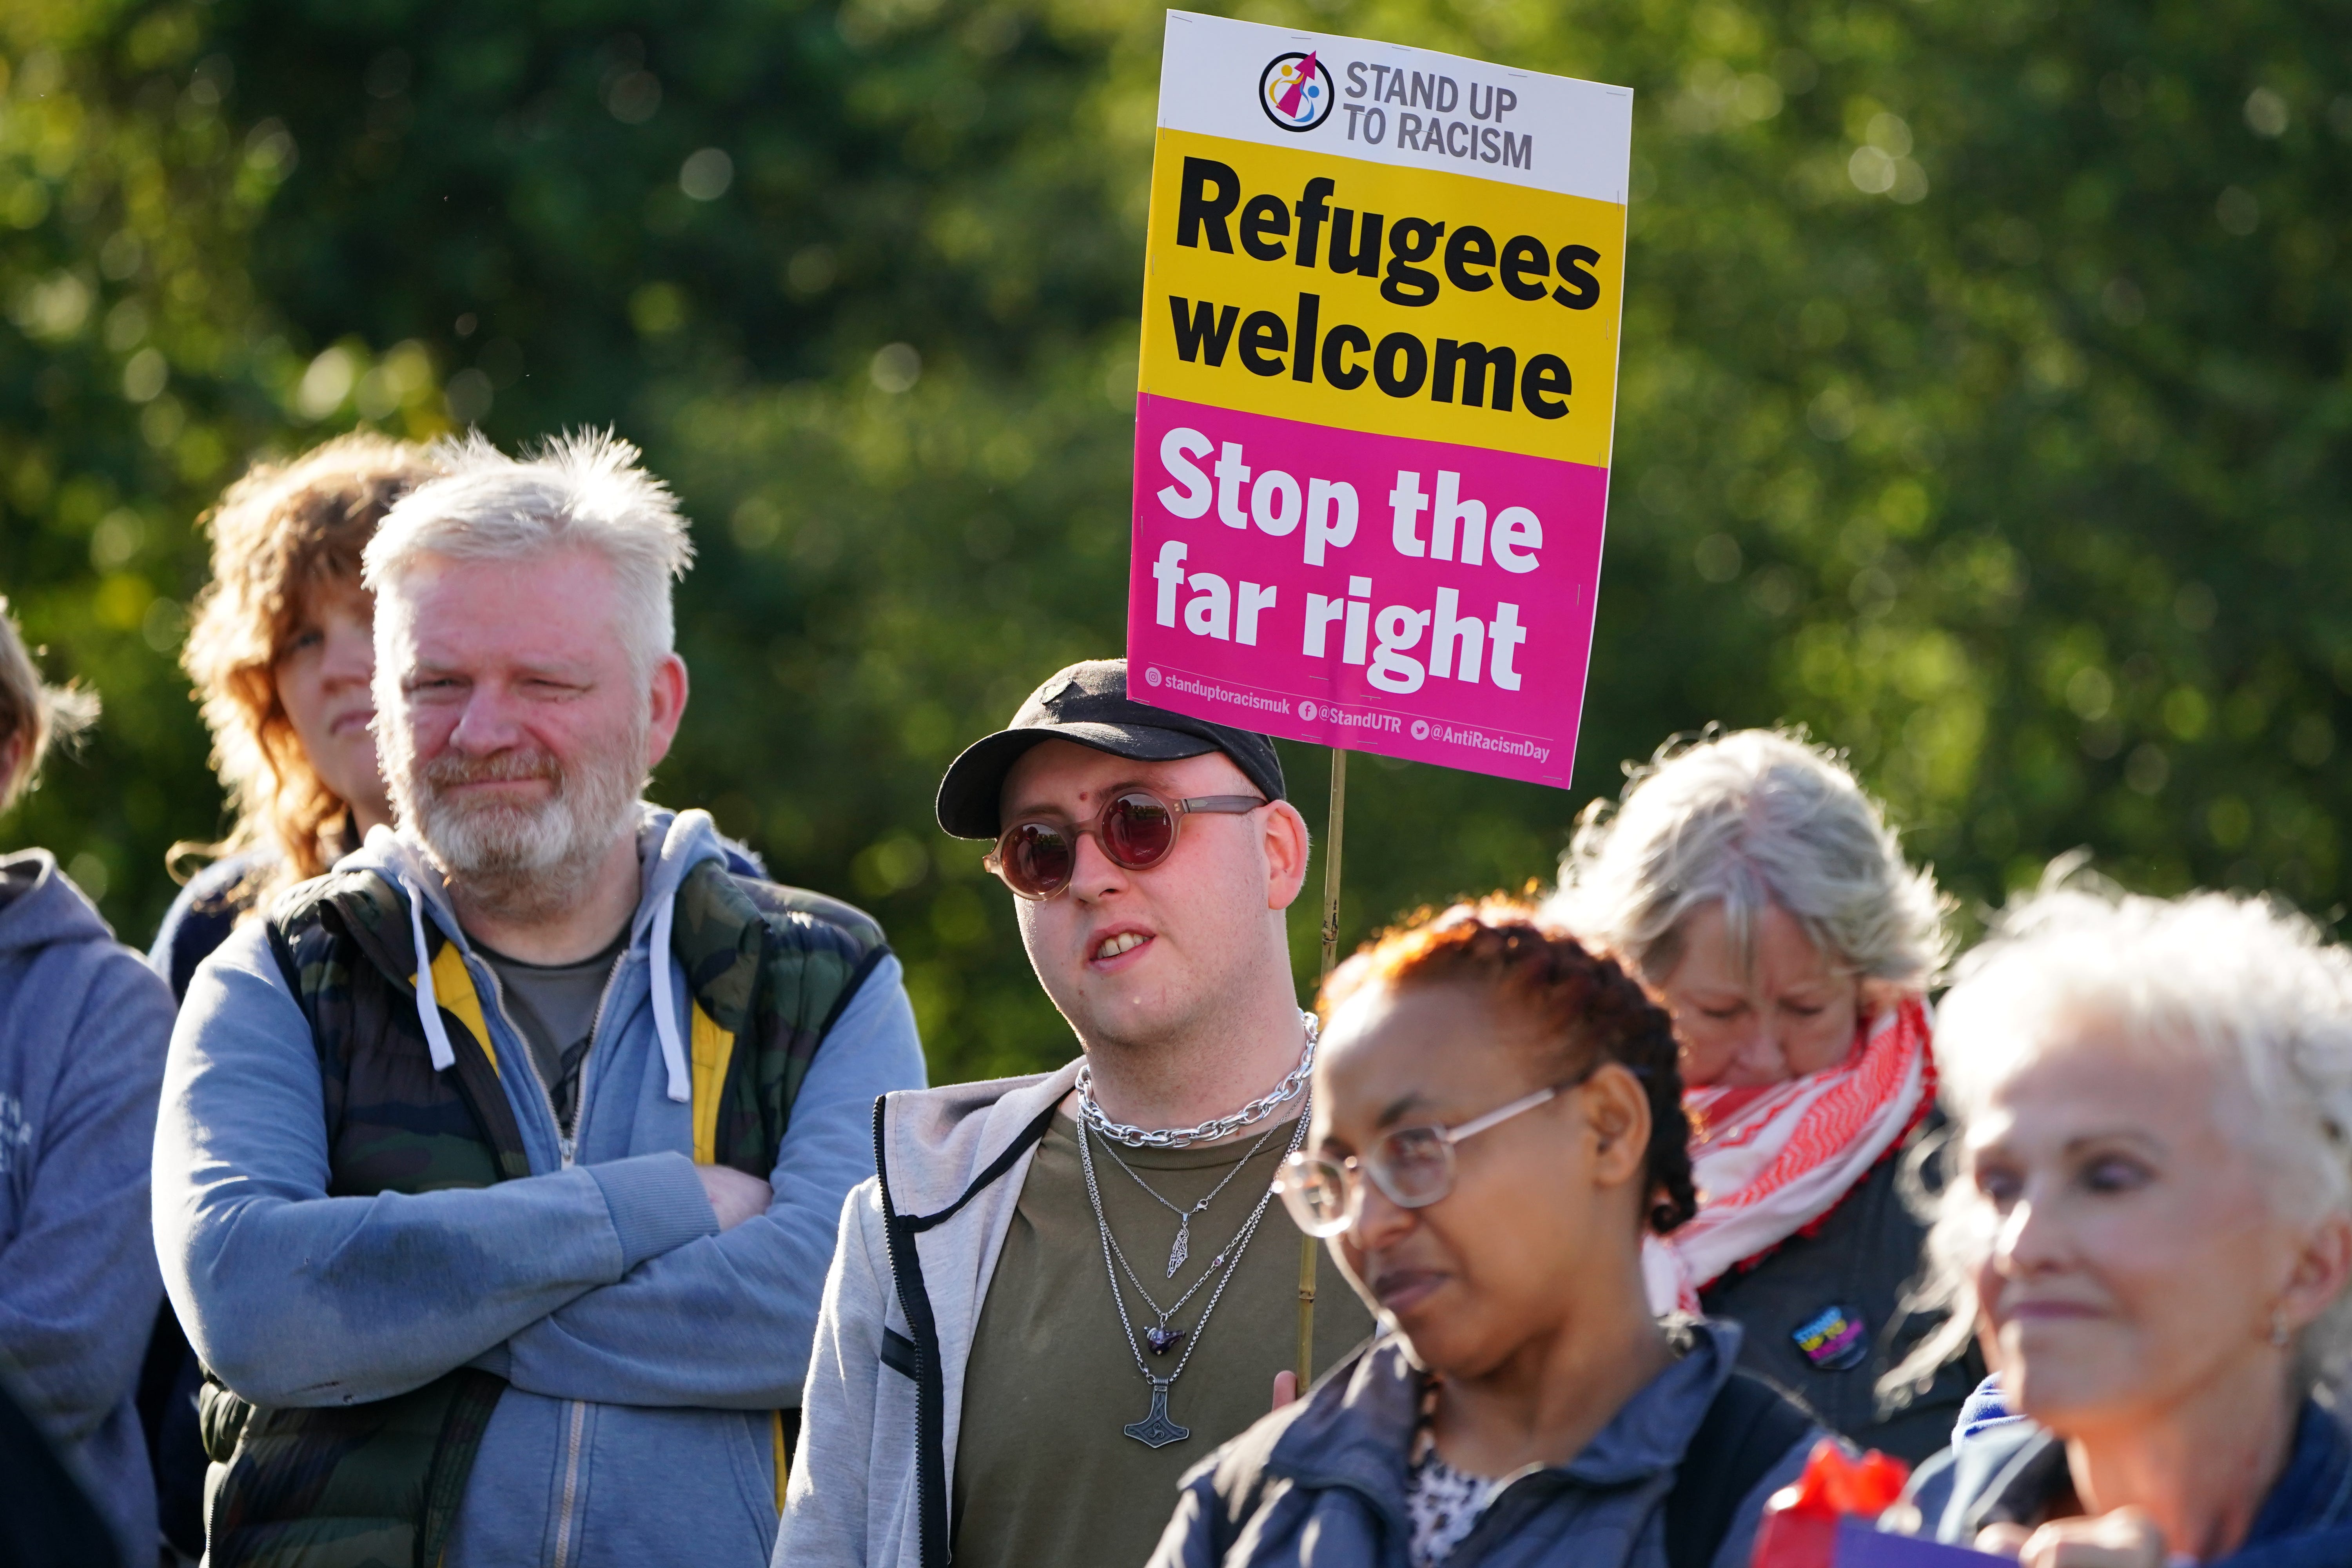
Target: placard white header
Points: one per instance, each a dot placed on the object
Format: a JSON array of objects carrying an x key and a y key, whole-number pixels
[{"x": 1386, "y": 103}]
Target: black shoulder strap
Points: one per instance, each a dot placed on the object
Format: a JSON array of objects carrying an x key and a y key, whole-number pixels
[{"x": 1748, "y": 1429}]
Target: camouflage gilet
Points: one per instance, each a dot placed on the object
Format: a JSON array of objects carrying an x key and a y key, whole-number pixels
[{"x": 770, "y": 970}]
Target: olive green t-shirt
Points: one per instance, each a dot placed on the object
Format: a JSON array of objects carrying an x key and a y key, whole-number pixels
[{"x": 1044, "y": 1477}]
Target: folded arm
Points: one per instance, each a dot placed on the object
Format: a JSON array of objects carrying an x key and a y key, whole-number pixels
[
  {"x": 726, "y": 1320},
  {"x": 295, "y": 1297}
]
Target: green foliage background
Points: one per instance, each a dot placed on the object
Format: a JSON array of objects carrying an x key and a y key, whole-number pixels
[{"x": 1985, "y": 397}]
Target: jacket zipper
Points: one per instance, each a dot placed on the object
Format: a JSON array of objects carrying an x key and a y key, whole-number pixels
[
  {"x": 931, "y": 1517},
  {"x": 571, "y": 1483},
  {"x": 595, "y": 1026},
  {"x": 568, "y": 1147}
]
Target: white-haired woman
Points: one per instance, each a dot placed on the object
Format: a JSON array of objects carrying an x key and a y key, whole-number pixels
[
  {"x": 2149, "y": 1230},
  {"x": 1761, "y": 893}
]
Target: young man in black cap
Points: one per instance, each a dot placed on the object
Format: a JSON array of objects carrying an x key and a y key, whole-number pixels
[{"x": 1061, "y": 1292}]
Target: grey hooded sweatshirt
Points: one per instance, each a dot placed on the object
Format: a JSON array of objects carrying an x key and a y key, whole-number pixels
[
  {"x": 884, "y": 1401},
  {"x": 83, "y": 1027}
]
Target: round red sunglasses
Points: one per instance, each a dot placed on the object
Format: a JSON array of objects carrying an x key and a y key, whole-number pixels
[{"x": 1037, "y": 856}]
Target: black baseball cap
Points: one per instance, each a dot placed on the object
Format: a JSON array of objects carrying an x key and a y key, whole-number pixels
[{"x": 1087, "y": 704}]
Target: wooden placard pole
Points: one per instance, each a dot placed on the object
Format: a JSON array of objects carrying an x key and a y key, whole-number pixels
[{"x": 1335, "y": 824}]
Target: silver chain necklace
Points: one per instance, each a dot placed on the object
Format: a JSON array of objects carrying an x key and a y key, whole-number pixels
[
  {"x": 1156, "y": 1430},
  {"x": 1216, "y": 1128},
  {"x": 1183, "y": 1247}
]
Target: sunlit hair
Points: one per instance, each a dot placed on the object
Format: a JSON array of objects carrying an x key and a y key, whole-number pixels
[
  {"x": 283, "y": 534},
  {"x": 1586, "y": 1007},
  {"x": 42, "y": 714},
  {"x": 2247, "y": 988},
  {"x": 1751, "y": 820},
  {"x": 585, "y": 489}
]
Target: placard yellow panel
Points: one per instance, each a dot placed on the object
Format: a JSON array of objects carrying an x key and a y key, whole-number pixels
[{"x": 1236, "y": 306}]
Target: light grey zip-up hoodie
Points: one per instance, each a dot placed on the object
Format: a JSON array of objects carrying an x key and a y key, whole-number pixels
[
  {"x": 646, "y": 1353},
  {"x": 917, "y": 1245}
]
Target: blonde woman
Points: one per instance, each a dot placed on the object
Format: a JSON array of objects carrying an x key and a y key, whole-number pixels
[
  {"x": 1760, "y": 892},
  {"x": 281, "y": 652},
  {"x": 2150, "y": 1231}
]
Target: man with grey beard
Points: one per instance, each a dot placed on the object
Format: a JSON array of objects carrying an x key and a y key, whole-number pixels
[{"x": 497, "y": 1170}]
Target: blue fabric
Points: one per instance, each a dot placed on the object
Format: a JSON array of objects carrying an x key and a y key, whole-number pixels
[
  {"x": 2012, "y": 1469},
  {"x": 83, "y": 1024},
  {"x": 201, "y": 917},
  {"x": 1985, "y": 1409},
  {"x": 1323, "y": 1483},
  {"x": 644, "y": 1350},
  {"x": 2315, "y": 1491}
]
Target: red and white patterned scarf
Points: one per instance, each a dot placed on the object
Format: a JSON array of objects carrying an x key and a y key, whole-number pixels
[{"x": 1768, "y": 1163}]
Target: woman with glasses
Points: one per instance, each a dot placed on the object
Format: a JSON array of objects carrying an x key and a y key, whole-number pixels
[
  {"x": 1496, "y": 1126},
  {"x": 1749, "y": 881},
  {"x": 2150, "y": 1231}
]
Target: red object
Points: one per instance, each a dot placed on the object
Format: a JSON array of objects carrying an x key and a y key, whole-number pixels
[
  {"x": 1289, "y": 104},
  {"x": 1799, "y": 1528}
]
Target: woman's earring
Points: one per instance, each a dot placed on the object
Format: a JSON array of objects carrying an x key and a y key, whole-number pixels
[{"x": 2279, "y": 1335}]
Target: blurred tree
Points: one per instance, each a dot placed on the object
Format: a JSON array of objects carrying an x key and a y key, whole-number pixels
[{"x": 1984, "y": 399}]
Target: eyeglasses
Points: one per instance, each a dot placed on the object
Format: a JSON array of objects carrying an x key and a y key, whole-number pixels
[
  {"x": 1136, "y": 828},
  {"x": 1412, "y": 1166}
]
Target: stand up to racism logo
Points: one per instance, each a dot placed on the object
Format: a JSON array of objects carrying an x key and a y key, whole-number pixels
[{"x": 1295, "y": 91}]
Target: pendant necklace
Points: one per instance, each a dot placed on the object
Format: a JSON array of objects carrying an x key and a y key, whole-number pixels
[
  {"x": 1162, "y": 1338},
  {"x": 1183, "y": 1247},
  {"x": 1157, "y": 1429}
]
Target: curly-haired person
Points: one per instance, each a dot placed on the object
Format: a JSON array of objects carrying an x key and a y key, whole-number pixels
[
  {"x": 1497, "y": 1125},
  {"x": 281, "y": 653}
]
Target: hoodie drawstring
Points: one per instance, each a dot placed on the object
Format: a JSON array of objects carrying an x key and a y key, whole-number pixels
[
  {"x": 673, "y": 1045},
  {"x": 428, "y": 1007},
  {"x": 681, "y": 1084}
]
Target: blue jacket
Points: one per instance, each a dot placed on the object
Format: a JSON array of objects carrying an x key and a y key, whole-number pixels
[
  {"x": 644, "y": 1351},
  {"x": 83, "y": 1025},
  {"x": 1321, "y": 1484},
  {"x": 2004, "y": 1468}
]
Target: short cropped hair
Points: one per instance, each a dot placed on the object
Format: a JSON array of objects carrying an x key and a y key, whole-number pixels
[
  {"x": 586, "y": 489},
  {"x": 284, "y": 534},
  {"x": 38, "y": 712},
  {"x": 2247, "y": 987},
  {"x": 1752, "y": 819}
]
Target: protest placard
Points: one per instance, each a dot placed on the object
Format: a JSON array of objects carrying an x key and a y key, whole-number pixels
[{"x": 1381, "y": 304}]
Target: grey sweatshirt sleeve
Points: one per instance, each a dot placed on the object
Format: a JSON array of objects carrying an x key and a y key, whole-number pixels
[
  {"x": 750, "y": 1294},
  {"x": 77, "y": 1283},
  {"x": 826, "y": 1502},
  {"x": 299, "y": 1299}
]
